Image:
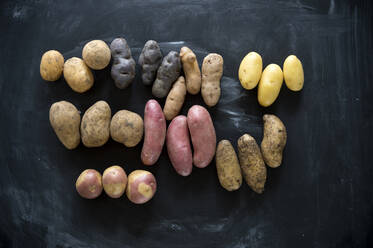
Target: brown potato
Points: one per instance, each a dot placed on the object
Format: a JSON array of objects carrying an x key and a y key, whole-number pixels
[
  {"x": 96, "y": 54},
  {"x": 274, "y": 140},
  {"x": 114, "y": 181},
  {"x": 141, "y": 186},
  {"x": 77, "y": 75},
  {"x": 95, "y": 127},
  {"x": 175, "y": 99},
  {"x": 252, "y": 164},
  {"x": 127, "y": 127},
  {"x": 89, "y": 184},
  {"x": 191, "y": 70},
  {"x": 212, "y": 71},
  {"x": 51, "y": 65},
  {"x": 65, "y": 121}
]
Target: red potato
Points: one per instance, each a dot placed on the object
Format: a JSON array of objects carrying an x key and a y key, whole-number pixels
[
  {"x": 114, "y": 181},
  {"x": 155, "y": 132},
  {"x": 178, "y": 146},
  {"x": 89, "y": 184},
  {"x": 203, "y": 135},
  {"x": 141, "y": 186}
]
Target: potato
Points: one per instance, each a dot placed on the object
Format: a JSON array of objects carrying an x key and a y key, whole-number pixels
[
  {"x": 250, "y": 70},
  {"x": 77, "y": 75},
  {"x": 123, "y": 69},
  {"x": 178, "y": 146},
  {"x": 227, "y": 166},
  {"x": 203, "y": 135},
  {"x": 127, "y": 127},
  {"x": 270, "y": 85},
  {"x": 191, "y": 70},
  {"x": 65, "y": 121},
  {"x": 252, "y": 164},
  {"x": 96, "y": 54},
  {"x": 89, "y": 184},
  {"x": 293, "y": 73},
  {"x": 155, "y": 133},
  {"x": 175, "y": 99},
  {"x": 51, "y": 65},
  {"x": 141, "y": 186},
  {"x": 212, "y": 71},
  {"x": 150, "y": 59},
  {"x": 167, "y": 74},
  {"x": 274, "y": 140},
  {"x": 95, "y": 127},
  {"x": 114, "y": 181}
]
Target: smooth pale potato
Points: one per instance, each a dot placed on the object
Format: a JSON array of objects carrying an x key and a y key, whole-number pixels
[
  {"x": 77, "y": 75},
  {"x": 89, "y": 184},
  {"x": 293, "y": 73},
  {"x": 141, "y": 186},
  {"x": 51, "y": 65},
  {"x": 175, "y": 99},
  {"x": 270, "y": 85},
  {"x": 191, "y": 69},
  {"x": 96, "y": 54},
  {"x": 114, "y": 181},
  {"x": 227, "y": 166},
  {"x": 127, "y": 127},
  {"x": 250, "y": 70},
  {"x": 212, "y": 71},
  {"x": 95, "y": 126}
]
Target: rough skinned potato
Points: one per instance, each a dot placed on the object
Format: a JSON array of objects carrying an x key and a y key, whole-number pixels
[
  {"x": 95, "y": 127},
  {"x": 51, "y": 65},
  {"x": 250, "y": 70},
  {"x": 65, "y": 121},
  {"x": 77, "y": 75},
  {"x": 212, "y": 71},
  {"x": 270, "y": 85},
  {"x": 227, "y": 166},
  {"x": 114, "y": 181},
  {"x": 252, "y": 164},
  {"x": 126, "y": 127},
  {"x": 96, "y": 54},
  {"x": 191, "y": 70},
  {"x": 175, "y": 99},
  {"x": 293, "y": 73},
  {"x": 274, "y": 140},
  {"x": 141, "y": 186},
  {"x": 150, "y": 59},
  {"x": 89, "y": 184}
]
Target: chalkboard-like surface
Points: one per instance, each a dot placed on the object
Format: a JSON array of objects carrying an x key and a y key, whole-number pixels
[{"x": 321, "y": 196}]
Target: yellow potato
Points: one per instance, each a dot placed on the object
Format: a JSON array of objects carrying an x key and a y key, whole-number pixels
[
  {"x": 191, "y": 70},
  {"x": 96, "y": 54},
  {"x": 175, "y": 99},
  {"x": 212, "y": 71},
  {"x": 77, "y": 75},
  {"x": 293, "y": 73},
  {"x": 51, "y": 65},
  {"x": 250, "y": 70},
  {"x": 270, "y": 85}
]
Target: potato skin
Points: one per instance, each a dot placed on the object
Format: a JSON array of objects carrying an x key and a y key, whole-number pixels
[
  {"x": 95, "y": 127},
  {"x": 96, "y": 54},
  {"x": 65, "y": 121},
  {"x": 178, "y": 146},
  {"x": 191, "y": 69},
  {"x": 212, "y": 71},
  {"x": 114, "y": 181},
  {"x": 293, "y": 73},
  {"x": 155, "y": 132},
  {"x": 250, "y": 70},
  {"x": 175, "y": 99},
  {"x": 89, "y": 184},
  {"x": 270, "y": 85},
  {"x": 227, "y": 166},
  {"x": 202, "y": 134},
  {"x": 141, "y": 186},
  {"x": 127, "y": 127},
  {"x": 51, "y": 65},
  {"x": 252, "y": 164},
  {"x": 150, "y": 59},
  {"x": 77, "y": 75},
  {"x": 274, "y": 140}
]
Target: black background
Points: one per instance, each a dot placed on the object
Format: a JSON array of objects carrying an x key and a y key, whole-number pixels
[{"x": 321, "y": 196}]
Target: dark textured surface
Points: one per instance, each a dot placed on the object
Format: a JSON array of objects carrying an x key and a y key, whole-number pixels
[{"x": 321, "y": 196}]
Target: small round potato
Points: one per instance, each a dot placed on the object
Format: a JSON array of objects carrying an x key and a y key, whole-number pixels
[
  {"x": 250, "y": 70},
  {"x": 96, "y": 54},
  {"x": 293, "y": 73},
  {"x": 51, "y": 65},
  {"x": 77, "y": 75},
  {"x": 89, "y": 184},
  {"x": 270, "y": 85},
  {"x": 141, "y": 186},
  {"x": 114, "y": 181},
  {"x": 127, "y": 127}
]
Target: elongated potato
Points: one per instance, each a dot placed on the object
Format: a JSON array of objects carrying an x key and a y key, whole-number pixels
[
  {"x": 155, "y": 133},
  {"x": 127, "y": 127},
  {"x": 212, "y": 71},
  {"x": 114, "y": 181},
  {"x": 65, "y": 121},
  {"x": 51, "y": 65},
  {"x": 250, "y": 70},
  {"x": 89, "y": 184},
  {"x": 203, "y": 135},
  {"x": 141, "y": 186},
  {"x": 293, "y": 73},
  {"x": 95, "y": 127},
  {"x": 270, "y": 85},
  {"x": 178, "y": 146},
  {"x": 191, "y": 69},
  {"x": 252, "y": 164},
  {"x": 227, "y": 166},
  {"x": 274, "y": 140},
  {"x": 175, "y": 99},
  {"x": 96, "y": 54},
  {"x": 77, "y": 75}
]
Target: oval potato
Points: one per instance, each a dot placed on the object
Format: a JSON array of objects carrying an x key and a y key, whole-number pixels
[
  {"x": 250, "y": 70},
  {"x": 212, "y": 71},
  {"x": 114, "y": 181},
  {"x": 51, "y": 65},
  {"x": 89, "y": 184},
  {"x": 293, "y": 73},
  {"x": 77, "y": 75},
  {"x": 96, "y": 54},
  {"x": 141, "y": 186},
  {"x": 127, "y": 127},
  {"x": 175, "y": 99},
  {"x": 270, "y": 85}
]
